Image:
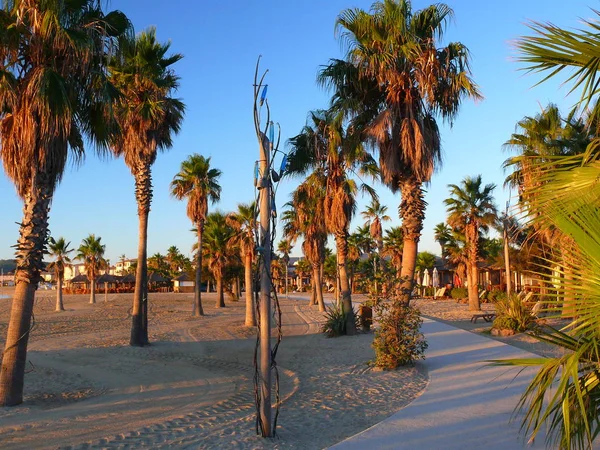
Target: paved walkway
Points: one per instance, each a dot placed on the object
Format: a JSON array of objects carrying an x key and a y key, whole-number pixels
[{"x": 467, "y": 403}]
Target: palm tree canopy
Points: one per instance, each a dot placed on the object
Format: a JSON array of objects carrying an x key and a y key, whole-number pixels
[
  {"x": 332, "y": 153},
  {"x": 215, "y": 243},
  {"x": 244, "y": 224},
  {"x": 199, "y": 183},
  {"x": 54, "y": 93},
  {"x": 147, "y": 113},
  {"x": 552, "y": 50},
  {"x": 471, "y": 204},
  {"x": 375, "y": 215},
  {"x": 59, "y": 249},
  {"x": 91, "y": 252},
  {"x": 395, "y": 48}
]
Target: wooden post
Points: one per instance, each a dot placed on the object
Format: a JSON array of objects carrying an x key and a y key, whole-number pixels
[
  {"x": 506, "y": 256},
  {"x": 265, "y": 288}
]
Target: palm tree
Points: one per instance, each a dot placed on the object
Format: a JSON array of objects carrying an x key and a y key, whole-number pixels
[
  {"x": 332, "y": 153},
  {"x": 174, "y": 260},
  {"x": 563, "y": 395},
  {"x": 60, "y": 250},
  {"x": 393, "y": 242},
  {"x": 410, "y": 82},
  {"x": 217, "y": 249},
  {"x": 285, "y": 247},
  {"x": 243, "y": 222},
  {"x": 375, "y": 215},
  {"x": 442, "y": 234},
  {"x": 91, "y": 252},
  {"x": 54, "y": 96},
  {"x": 303, "y": 268},
  {"x": 148, "y": 116},
  {"x": 304, "y": 217},
  {"x": 199, "y": 183},
  {"x": 471, "y": 210}
]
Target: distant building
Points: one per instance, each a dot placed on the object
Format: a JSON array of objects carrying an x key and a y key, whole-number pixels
[
  {"x": 122, "y": 267},
  {"x": 183, "y": 283}
]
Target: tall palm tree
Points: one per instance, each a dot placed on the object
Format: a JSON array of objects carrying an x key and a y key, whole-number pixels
[
  {"x": 148, "y": 116},
  {"x": 375, "y": 215},
  {"x": 304, "y": 217},
  {"x": 394, "y": 50},
  {"x": 199, "y": 183},
  {"x": 442, "y": 234},
  {"x": 393, "y": 242},
  {"x": 471, "y": 210},
  {"x": 91, "y": 252},
  {"x": 332, "y": 152},
  {"x": 60, "y": 250},
  {"x": 174, "y": 260},
  {"x": 285, "y": 248},
  {"x": 244, "y": 223},
  {"x": 217, "y": 249},
  {"x": 303, "y": 268},
  {"x": 53, "y": 96}
]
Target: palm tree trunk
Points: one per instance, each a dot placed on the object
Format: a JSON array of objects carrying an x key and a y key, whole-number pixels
[
  {"x": 474, "y": 288},
  {"x": 318, "y": 287},
  {"x": 220, "y": 299},
  {"x": 313, "y": 290},
  {"x": 250, "y": 313},
  {"x": 92, "y": 290},
  {"x": 59, "y": 295},
  {"x": 197, "y": 307},
  {"x": 341, "y": 241},
  {"x": 143, "y": 193},
  {"x": 30, "y": 253},
  {"x": 472, "y": 235},
  {"x": 234, "y": 290},
  {"x": 412, "y": 213}
]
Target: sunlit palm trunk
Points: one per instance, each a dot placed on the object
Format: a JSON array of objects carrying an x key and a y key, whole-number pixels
[
  {"x": 472, "y": 235},
  {"x": 59, "y": 295},
  {"x": 143, "y": 194},
  {"x": 197, "y": 307},
  {"x": 33, "y": 233},
  {"x": 412, "y": 213},
  {"x": 341, "y": 241},
  {"x": 92, "y": 290},
  {"x": 220, "y": 298},
  {"x": 250, "y": 314},
  {"x": 318, "y": 287}
]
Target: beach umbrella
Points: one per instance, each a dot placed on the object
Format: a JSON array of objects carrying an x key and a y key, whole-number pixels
[
  {"x": 436, "y": 281},
  {"x": 419, "y": 275},
  {"x": 426, "y": 278}
]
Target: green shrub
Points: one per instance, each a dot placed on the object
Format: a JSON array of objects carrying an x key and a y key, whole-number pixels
[
  {"x": 335, "y": 323},
  {"x": 459, "y": 293},
  {"x": 398, "y": 340},
  {"x": 512, "y": 314}
]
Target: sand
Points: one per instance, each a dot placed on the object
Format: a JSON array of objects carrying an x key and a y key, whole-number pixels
[{"x": 86, "y": 388}]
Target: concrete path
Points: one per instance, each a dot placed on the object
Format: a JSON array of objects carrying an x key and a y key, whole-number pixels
[{"x": 467, "y": 403}]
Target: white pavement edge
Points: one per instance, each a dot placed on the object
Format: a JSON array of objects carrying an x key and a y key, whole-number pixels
[{"x": 467, "y": 403}]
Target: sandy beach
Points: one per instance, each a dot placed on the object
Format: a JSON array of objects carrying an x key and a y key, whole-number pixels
[{"x": 86, "y": 388}]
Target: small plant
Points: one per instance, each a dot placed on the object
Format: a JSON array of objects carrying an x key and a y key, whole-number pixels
[
  {"x": 335, "y": 322},
  {"x": 457, "y": 293},
  {"x": 398, "y": 340},
  {"x": 512, "y": 314}
]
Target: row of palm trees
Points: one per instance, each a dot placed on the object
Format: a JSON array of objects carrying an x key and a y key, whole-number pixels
[
  {"x": 73, "y": 73},
  {"x": 91, "y": 252},
  {"x": 387, "y": 95}
]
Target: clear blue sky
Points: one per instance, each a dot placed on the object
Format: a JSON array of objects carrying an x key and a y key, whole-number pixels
[{"x": 221, "y": 41}]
